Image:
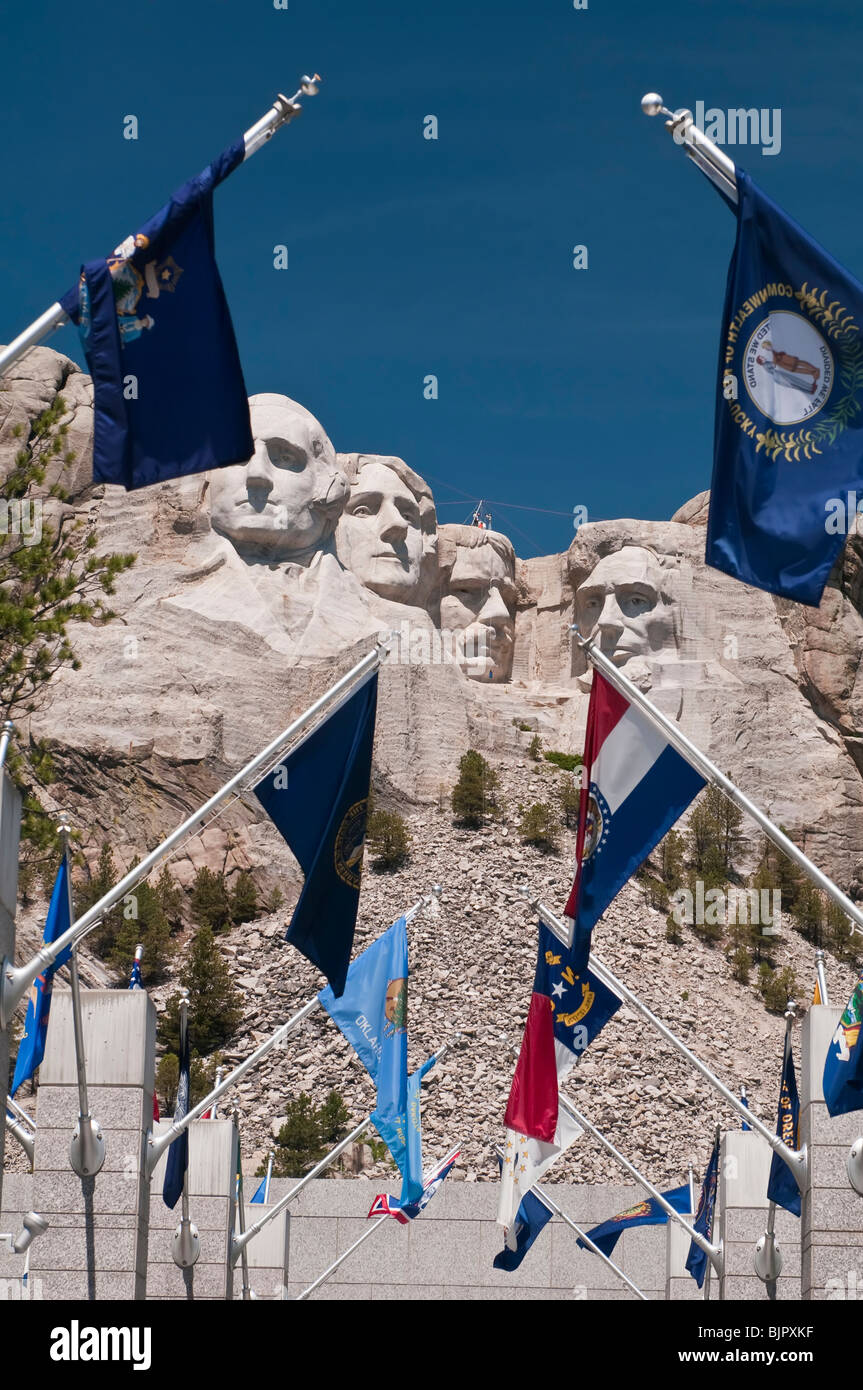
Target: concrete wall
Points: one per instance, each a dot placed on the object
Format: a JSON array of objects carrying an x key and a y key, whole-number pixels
[
  {"x": 210, "y": 1182},
  {"x": 10, "y": 825},
  {"x": 744, "y": 1174}
]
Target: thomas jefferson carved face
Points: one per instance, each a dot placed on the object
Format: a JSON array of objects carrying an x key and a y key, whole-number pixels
[
  {"x": 387, "y": 532},
  {"x": 479, "y": 598},
  {"x": 284, "y": 503},
  {"x": 625, "y": 603}
]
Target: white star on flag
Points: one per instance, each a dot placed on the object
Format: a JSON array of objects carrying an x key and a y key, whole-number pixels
[{"x": 535, "y": 1160}]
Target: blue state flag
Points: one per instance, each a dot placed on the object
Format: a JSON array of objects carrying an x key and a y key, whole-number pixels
[
  {"x": 788, "y": 443},
  {"x": 260, "y": 1192},
  {"x": 696, "y": 1260},
  {"x": 372, "y": 1012},
  {"x": 530, "y": 1220},
  {"x": 178, "y": 1153},
  {"x": 646, "y": 1213},
  {"x": 782, "y": 1185},
  {"x": 318, "y": 799},
  {"x": 843, "y": 1068},
  {"x": 135, "y": 981},
  {"x": 169, "y": 394},
  {"x": 31, "y": 1048}
]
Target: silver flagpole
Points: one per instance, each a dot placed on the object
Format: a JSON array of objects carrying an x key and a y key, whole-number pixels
[
  {"x": 87, "y": 1147},
  {"x": 5, "y": 736},
  {"x": 186, "y": 1245},
  {"x": 821, "y": 977},
  {"x": 768, "y": 1256},
  {"x": 795, "y": 1158},
  {"x": 552, "y": 1206},
  {"x": 270, "y": 1156},
  {"x": 220, "y": 1072},
  {"x": 331, "y": 1269},
  {"x": 15, "y": 981},
  {"x": 711, "y": 773},
  {"x": 241, "y": 1213},
  {"x": 238, "y": 1244},
  {"x": 283, "y": 110},
  {"x": 25, "y": 1139},
  {"x": 713, "y": 1252},
  {"x": 710, "y": 159},
  {"x": 158, "y": 1143}
]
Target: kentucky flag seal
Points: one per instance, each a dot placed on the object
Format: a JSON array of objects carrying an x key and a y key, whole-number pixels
[
  {"x": 169, "y": 394},
  {"x": 789, "y": 415}
]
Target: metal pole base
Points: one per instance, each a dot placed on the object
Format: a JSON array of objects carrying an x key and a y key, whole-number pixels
[
  {"x": 186, "y": 1245},
  {"x": 854, "y": 1166},
  {"x": 768, "y": 1258},
  {"x": 87, "y": 1149}
]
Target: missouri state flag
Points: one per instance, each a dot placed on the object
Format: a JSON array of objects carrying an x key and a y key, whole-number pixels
[
  {"x": 568, "y": 1007},
  {"x": 635, "y": 785},
  {"x": 317, "y": 798},
  {"x": 843, "y": 1068},
  {"x": 169, "y": 395},
  {"x": 788, "y": 438}
]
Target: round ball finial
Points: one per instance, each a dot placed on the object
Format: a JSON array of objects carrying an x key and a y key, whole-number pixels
[
  {"x": 437, "y": 890},
  {"x": 651, "y": 103}
]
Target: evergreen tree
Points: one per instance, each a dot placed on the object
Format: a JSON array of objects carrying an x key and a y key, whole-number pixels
[
  {"x": 474, "y": 795},
  {"x": 211, "y": 902},
  {"x": 539, "y": 826},
  {"x": 215, "y": 1007},
  {"x": 334, "y": 1119},
  {"x": 671, "y": 856},
  {"x": 389, "y": 839},
  {"x": 534, "y": 748},
  {"x": 569, "y": 796},
  {"x": 244, "y": 899}
]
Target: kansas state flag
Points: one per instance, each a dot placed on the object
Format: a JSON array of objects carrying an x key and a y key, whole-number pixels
[
  {"x": 638, "y": 785},
  {"x": 317, "y": 798},
  {"x": 169, "y": 392},
  {"x": 372, "y": 1012},
  {"x": 782, "y": 1185},
  {"x": 843, "y": 1069},
  {"x": 789, "y": 414},
  {"x": 568, "y": 1008},
  {"x": 31, "y": 1049},
  {"x": 646, "y": 1213}
]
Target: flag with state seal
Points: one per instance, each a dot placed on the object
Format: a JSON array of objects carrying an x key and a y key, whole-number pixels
[
  {"x": 788, "y": 437},
  {"x": 635, "y": 785}
]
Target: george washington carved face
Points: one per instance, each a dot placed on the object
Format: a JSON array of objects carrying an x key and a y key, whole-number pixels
[{"x": 283, "y": 504}]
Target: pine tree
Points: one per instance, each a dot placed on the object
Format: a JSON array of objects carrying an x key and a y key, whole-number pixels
[
  {"x": 570, "y": 801},
  {"x": 309, "y": 1132},
  {"x": 539, "y": 826},
  {"x": 474, "y": 795},
  {"x": 210, "y": 902},
  {"x": 215, "y": 1007},
  {"x": 244, "y": 899},
  {"x": 388, "y": 838}
]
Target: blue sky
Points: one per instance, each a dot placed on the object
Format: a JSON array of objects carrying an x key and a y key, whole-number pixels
[{"x": 409, "y": 257}]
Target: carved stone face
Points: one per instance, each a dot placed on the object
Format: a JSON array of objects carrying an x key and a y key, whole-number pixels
[
  {"x": 622, "y": 602},
  {"x": 284, "y": 503},
  {"x": 380, "y": 536},
  {"x": 479, "y": 601}
]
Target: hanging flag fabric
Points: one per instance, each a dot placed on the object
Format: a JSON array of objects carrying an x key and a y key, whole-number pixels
[
  {"x": 646, "y": 1213},
  {"x": 568, "y": 1008},
  {"x": 169, "y": 394},
  {"x": 525, "y": 1161},
  {"x": 384, "y": 1205},
  {"x": 317, "y": 798},
  {"x": 260, "y": 1192},
  {"x": 782, "y": 1185},
  {"x": 816, "y": 994},
  {"x": 745, "y": 1101},
  {"x": 696, "y": 1260},
  {"x": 843, "y": 1069},
  {"x": 372, "y": 1012},
  {"x": 788, "y": 442},
  {"x": 135, "y": 978},
  {"x": 403, "y": 1138},
  {"x": 31, "y": 1048},
  {"x": 178, "y": 1153},
  {"x": 635, "y": 787},
  {"x": 531, "y": 1220}
]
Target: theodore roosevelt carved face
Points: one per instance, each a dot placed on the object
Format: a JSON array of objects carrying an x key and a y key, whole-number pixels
[{"x": 478, "y": 598}]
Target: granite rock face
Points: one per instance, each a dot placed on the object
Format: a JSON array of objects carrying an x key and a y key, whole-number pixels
[{"x": 250, "y": 597}]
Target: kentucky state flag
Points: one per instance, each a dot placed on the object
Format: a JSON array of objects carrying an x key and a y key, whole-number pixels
[
  {"x": 646, "y": 1213},
  {"x": 372, "y": 1012},
  {"x": 782, "y": 1185},
  {"x": 789, "y": 422},
  {"x": 170, "y": 399},
  {"x": 317, "y": 798},
  {"x": 696, "y": 1260},
  {"x": 568, "y": 1007},
  {"x": 637, "y": 785},
  {"x": 31, "y": 1048},
  {"x": 843, "y": 1069}
]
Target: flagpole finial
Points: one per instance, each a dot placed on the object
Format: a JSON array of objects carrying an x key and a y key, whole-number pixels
[{"x": 651, "y": 104}]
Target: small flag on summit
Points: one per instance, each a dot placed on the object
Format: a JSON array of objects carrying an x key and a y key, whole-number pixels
[{"x": 170, "y": 399}]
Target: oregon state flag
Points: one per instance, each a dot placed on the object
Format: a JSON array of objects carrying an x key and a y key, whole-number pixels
[
  {"x": 169, "y": 394},
  {"x": 317, "y": 798},
  {"x": 788, "y": 441}
]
